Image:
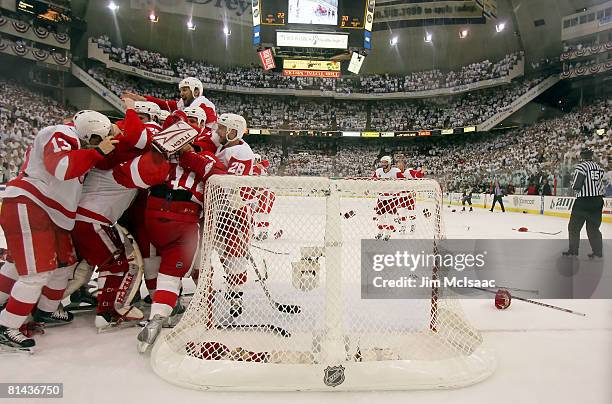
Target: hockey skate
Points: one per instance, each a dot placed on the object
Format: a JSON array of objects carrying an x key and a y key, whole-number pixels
[
  {"x": 112, "y": 321},
  {"x": 82, "y": 300},
  {"x": 13, "y": 341},
  {"x": 595, "y": 257},
  {"x": 175, "y": 316},
  {"x": 58, "y": 318},
  {"x": 150, "y": 332}
]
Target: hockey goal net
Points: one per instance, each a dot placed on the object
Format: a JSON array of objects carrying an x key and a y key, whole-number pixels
[{"x": 286, "y": 312}]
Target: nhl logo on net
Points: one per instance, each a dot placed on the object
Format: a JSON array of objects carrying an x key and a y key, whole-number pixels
[{"x": 334, "y": 376}]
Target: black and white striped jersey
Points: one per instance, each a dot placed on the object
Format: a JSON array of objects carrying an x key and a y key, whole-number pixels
[{"x": 593, "y": 179}]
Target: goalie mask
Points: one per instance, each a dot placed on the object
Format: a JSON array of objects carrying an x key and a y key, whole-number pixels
[{"x": 88, "y": 123}]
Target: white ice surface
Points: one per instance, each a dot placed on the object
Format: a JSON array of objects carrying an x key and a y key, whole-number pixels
[{"x": 544, "y": 356}]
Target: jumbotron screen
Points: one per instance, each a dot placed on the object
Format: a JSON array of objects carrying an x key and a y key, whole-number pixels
[{"x": 337, "y": 13}]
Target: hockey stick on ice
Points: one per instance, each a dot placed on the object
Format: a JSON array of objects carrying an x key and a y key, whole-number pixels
[
  {"x": 273, "y": 329},
  {"x": 541, "y": 232},
  {"x": 550, "y": 306},
  {"x": 270, "y": 251},
  {"x": 285, "y": 308}
]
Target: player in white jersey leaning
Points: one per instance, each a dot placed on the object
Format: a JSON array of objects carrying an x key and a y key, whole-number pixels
[
  {"x": 237, "y": 223},
  {"x": 388, "y": 203},
  {"x": 191, "y": 91},
  {"x": 38, "y": 212}
]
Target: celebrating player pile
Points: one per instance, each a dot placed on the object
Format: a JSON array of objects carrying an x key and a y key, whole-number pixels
[{"x": 80, "y": 178}]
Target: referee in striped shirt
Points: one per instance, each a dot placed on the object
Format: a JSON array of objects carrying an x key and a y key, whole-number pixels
[{"x": 588, "y": 207}]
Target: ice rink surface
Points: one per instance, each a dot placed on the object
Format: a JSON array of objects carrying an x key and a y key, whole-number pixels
[{"x": 544, "y": 356}]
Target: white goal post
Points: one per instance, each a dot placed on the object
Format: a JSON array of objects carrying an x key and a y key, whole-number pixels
[{"x": 287, "y": 312}]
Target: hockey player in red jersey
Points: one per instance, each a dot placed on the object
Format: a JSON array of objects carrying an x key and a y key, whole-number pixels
[
  {"x": 39, "y": 210},
  {"x": 197, "y": 119},
  {"x": 191, "y": 90},
  {"x": 173, "y": 212},
  {"x": 387, "y": 203},
  {"x": 265, "y": 203},
  {"x": 107, "y": 193}
]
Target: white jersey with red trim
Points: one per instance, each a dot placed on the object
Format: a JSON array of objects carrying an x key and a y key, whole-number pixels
[
  {"x": 108, "y": 193},
  {"x": 393, "y": 172},
  {"x": 239, "y": 159},
  {"x": 52, "y": 175}
]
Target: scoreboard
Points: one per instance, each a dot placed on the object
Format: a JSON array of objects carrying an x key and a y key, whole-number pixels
[
  {"x": 345, "y": 14},
  {"x": 312, "y": 32}
]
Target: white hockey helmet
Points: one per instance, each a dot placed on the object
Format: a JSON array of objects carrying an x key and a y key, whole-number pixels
[
  {"x": 257, "y": 158},
  {"x": 163, "y": 115},
  {"x": 387, "y": 159},
  {"x": 88, "y": 123},
  {"x": 147, "y": 108},
  {"x": 233, "y": 121},
  {"x": 192, "y": 83},
  {"x": 196, "y": 112}
]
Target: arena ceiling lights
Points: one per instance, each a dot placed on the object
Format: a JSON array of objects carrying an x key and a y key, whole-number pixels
[
  {"x": 112, "y": 6},
  {"x": 500, "y": 27}
]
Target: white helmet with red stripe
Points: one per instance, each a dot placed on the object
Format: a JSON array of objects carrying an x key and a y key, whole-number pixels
[
  {"x": 192, "y": 83},
  {"x": 233, "y": 121},
  {"x": 196, "y": 112},
  {"x": 163, "y": 115},
  {"x": 386, "y": 159},
  {"x": 88, "y": 123},
  {"x": 147, "y": 108}
]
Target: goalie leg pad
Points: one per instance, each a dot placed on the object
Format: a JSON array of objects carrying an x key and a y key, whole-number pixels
[{"x": 80, "y": 276}]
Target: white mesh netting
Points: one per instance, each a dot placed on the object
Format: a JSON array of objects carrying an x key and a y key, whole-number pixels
[{"x": 278, "y": 304}]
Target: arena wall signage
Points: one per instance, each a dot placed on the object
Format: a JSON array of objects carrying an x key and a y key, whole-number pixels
[
  {"x": 234, "y": 11},
  {"x": 301, "y": 64},
  {"x": 560, "y": 206},
  {"x": 267, "y": 59},
  {"x": 311, "y": 40},
  {"x": 389, "y": 10},
  {"x": 370, "y": 134},
  {"x": 310, "y": 73}
]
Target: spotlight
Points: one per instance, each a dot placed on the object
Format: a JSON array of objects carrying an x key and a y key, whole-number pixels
[
  {"x": 500, "y": 27},
  {"x": 428, "y": 37},
  {"x": 153, "y": 17},
  {"x": 463, "y": 33},
  {"x": 394, "y": 41},
  {"x": 190, "y": 25},
  {"x": 227, "y": 31},
  {"x": 112, "y": 6}
]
